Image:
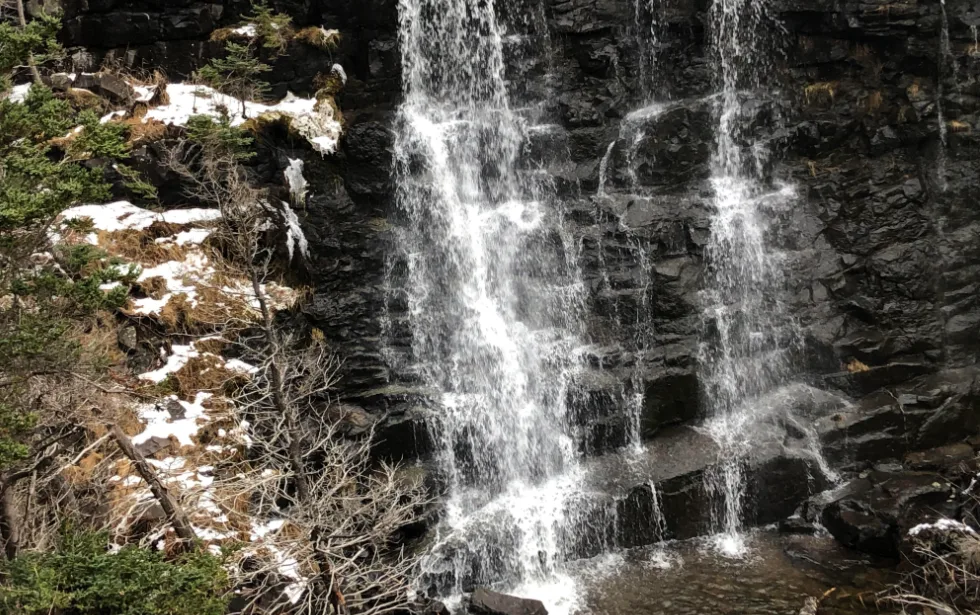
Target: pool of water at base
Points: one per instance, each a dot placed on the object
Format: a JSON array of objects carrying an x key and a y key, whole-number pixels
[{"x": 775, "y": 578}]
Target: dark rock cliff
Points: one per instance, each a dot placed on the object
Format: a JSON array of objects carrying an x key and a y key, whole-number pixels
[{"x": 866, "y": 114}]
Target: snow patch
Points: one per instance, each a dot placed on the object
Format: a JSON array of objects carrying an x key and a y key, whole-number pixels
[
  {"x": 942, "y": 525},
  {"x": 181, "y": 277},
  {"x": 159, "y": 423},
  {"x": 179, "y": 357},
  {"x": 248, "y": 29},
  {"x": 296, "y": 181},
  {"x": 339, "y": 70},
  {"x": 122, "y": 215},
  {"x": 144, "y": 93},
  {"x": 194, "y": 237},
  {"x": 311, "y": 118},
  {"x": 294, "y": 232},
  {"x": 18, "y": 93},
  {"x": 105, "y": 119},
  {"x": 237, "y": 365}
]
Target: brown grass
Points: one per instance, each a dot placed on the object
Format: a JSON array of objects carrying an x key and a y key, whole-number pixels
[
  {"x": 97, "y": 337},
  {"x": 140, "y": 247},
  {"x": 130, "y": 422},
  {"x": 213, "y": 345},
  {"x": 175, "y": 313},
  {"x": 223, "y": 34},
  {"x": 319, "y": 37},
  {"x": 204, "y": 373},
  {"x": 141, "y": 132},
  {"x": 824, "y": 91},
  {"x": 154, "y": 287},
  {"x": 960, "y": 127}
]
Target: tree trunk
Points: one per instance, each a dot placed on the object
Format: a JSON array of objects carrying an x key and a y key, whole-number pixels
[
  {"x": 294, "y": 445},
  {"x": 22, "y": 18},
  {"x": 9, "y": 524},
  {"x": 178, "y": 518}
]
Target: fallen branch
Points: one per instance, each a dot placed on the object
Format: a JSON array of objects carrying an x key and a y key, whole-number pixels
[{"x": 176, "y": 514}]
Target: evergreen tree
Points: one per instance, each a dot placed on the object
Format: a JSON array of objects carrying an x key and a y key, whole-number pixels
[
  {"x": 272, "y": 28},
  {"x": 237, "y": 74}
]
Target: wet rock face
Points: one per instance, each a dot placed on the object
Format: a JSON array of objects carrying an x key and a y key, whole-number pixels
[
  {"x": 882, "y": 254},
  {"x": 880, "y": 233}
]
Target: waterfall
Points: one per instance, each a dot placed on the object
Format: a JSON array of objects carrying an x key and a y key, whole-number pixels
[
  {"x": 646, "y": 35},
  {"x": 494, "y": 303},
  {"x": 748, "y": 334},
  {"x": 946, "y": 61}
]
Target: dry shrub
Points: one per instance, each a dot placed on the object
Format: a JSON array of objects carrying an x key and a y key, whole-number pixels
[
  {"x": 83, "y": 472},
  {"x": 213, "y": 345},
  {"x": 142, "y": 132},
  {"x": 204, "y": 373},
  {"x": 154, "y": 287},
  {"x": 320, "y": 38},
  {"x": 139, "y": 246},
  {"x": 129, "y": 421},
  {"x": 945, "y": 573},
  {"x": 223, "y": 34}
]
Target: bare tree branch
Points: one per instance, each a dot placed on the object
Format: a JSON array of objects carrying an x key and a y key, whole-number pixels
[{"x": 182, "y": 525}]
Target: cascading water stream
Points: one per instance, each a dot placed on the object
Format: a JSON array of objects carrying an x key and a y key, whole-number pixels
[
  {"x": 945, "y": 58},
  {"x": 493, "y": 306},
  {"x": 749, "y": 335}
]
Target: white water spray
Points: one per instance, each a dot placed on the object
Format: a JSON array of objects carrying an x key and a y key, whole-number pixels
[
  {"x": 494, "y": 309},
  {"x": 749, "y": 334}
]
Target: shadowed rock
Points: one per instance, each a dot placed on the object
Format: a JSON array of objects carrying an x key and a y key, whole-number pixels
[{"x": 486, "y": 602}]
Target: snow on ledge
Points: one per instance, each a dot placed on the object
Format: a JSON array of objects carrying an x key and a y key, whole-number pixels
[
  {"x": 123, "y": 215},
  {"x": 311, "y": 118}
]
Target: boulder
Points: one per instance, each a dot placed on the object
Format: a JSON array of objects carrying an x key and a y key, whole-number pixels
[
  {"x": 107, "y": 85},
  {"x": 486, "y": 602},
  {"x": 927, "y": 412},
  {"x": 127, "y": 339},
  {"x": 873, "y": 513},
  {"x": 175, "y": 409},
  {"x": 153, "y": 445}
]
